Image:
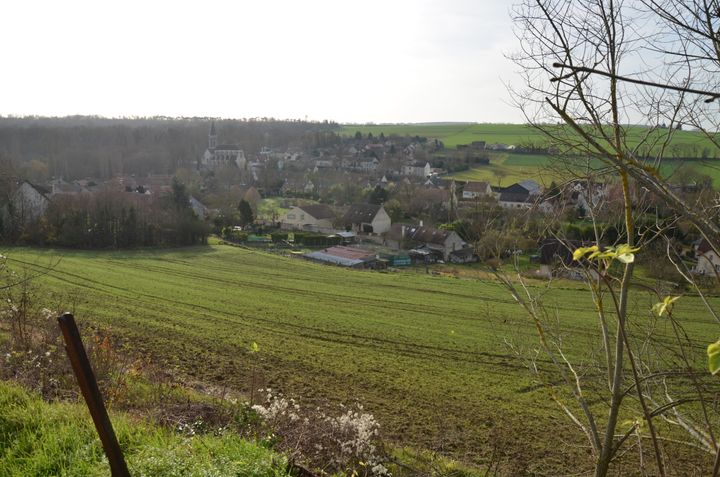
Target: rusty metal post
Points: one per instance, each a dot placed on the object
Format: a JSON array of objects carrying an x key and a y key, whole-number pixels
[{"x": 91, "y": 393}]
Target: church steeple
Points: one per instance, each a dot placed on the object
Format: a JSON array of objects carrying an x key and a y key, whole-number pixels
[{"x": 212, "y": 137}]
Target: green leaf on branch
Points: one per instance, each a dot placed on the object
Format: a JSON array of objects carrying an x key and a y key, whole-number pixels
[
  {"x": 623, "y": 253},
  {"x": 582, "y": 251},
  {"x": 626, "y": 253},
  {"x": 713, "y": 352},
  {"x": 666, "y": 305}
]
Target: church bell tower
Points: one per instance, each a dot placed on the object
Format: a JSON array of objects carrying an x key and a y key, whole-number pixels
[{"x": 212, "y": 137}]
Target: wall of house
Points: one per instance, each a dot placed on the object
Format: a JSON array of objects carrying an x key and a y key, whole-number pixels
[
  {"x": 452, "y": 242},
  {"x": 708, "y": 263},
  {"x": 472, "y": 194},
  {"x": 28, "y": 203},
  {"x": 298, "y": 219},
  {"x": 515, "y": 205},
  {"x": 381, "y": 223}
]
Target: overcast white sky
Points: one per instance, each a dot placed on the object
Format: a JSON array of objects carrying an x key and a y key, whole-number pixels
[{"x": 350, "y": 61}]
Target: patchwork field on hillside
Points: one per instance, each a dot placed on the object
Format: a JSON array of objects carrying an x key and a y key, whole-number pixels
[
  {"x": 506, "y": 168},
  {"x": 430, "y": 356},
  {"x": 519, "y": 134}
]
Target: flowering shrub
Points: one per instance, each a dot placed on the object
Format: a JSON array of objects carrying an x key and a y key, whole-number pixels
[{"x": 347, "y": 442}]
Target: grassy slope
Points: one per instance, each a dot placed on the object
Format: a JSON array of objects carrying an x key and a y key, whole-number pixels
[
  {"x": 41, "y": 439},
  {"x": 425, "y": 354},
  {"x": 505, "y": 169}
]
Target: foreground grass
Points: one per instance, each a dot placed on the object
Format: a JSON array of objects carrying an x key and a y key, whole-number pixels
[
  {"x": 41, "y": 439},
  {"x": 429, "y": 355}
]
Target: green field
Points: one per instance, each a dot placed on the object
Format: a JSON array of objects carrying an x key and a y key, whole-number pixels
[
  {"x": 505, "y": 169},
  {"x": 465, "y": 133},
  {"x": 428, "y": 355},
  {"x": 454, "y": 134}
]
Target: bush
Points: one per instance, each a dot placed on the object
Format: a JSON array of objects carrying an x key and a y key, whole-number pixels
[
  {"x": 232, "y": 235},
  {"x": 316, "y": 240},
  {"x": 279, "y": 236},
  {"x": 344, "y": 442}
]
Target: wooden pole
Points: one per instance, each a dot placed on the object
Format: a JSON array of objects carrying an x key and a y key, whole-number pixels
[{"x": 91, "y": 393}]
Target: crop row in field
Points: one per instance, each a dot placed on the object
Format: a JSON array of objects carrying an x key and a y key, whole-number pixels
[{"x": 427, "y": 354}]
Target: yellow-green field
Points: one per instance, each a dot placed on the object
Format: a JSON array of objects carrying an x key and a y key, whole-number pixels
[{"x": 428, "y": 355}]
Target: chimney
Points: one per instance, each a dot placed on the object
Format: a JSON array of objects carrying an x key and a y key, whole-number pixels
[{"x": 421, "y": 223}]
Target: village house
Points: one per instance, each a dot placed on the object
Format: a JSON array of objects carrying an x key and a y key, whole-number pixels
[
  {"x": 708, "y": 262},
  {"x": 532, "y": 187},
  {"x": 515, "y": 197},
  {"x": 520, "y": 195},
  {"x": 29, "y": 202},
  {"x": 474, "y": 190},
  {"x": 316, "y": 218},
  {"x": 367, "y": 218},
  {"x": 199, "y": 208},
  {"x": 441, "y": 243},
  {"x": 416, "y": 169},
  {"x": 370, "y": 164}
]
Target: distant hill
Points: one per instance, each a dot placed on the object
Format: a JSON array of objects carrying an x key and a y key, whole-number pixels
[{"x": 685, "y": 143}]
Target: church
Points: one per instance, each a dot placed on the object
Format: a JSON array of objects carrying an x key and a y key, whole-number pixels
[{"x": 217, "y": 156}]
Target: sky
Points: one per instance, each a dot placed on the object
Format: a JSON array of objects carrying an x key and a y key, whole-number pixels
[{"x": 347, "y": 61}]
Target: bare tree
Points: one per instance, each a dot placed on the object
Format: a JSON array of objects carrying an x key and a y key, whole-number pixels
[{"x": 591, "y": 68}]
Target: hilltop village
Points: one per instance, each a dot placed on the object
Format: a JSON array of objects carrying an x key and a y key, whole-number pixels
[{"x": 359, "y": 201}]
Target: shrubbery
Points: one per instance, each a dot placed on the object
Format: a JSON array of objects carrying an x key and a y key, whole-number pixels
[{"x": 111, "y": 220}]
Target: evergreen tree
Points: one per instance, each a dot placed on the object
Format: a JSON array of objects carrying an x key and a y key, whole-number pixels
[{"x": 246, "y": 213}]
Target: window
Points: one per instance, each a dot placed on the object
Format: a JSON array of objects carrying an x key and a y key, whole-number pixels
[{"x": 291, "y": 216}]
